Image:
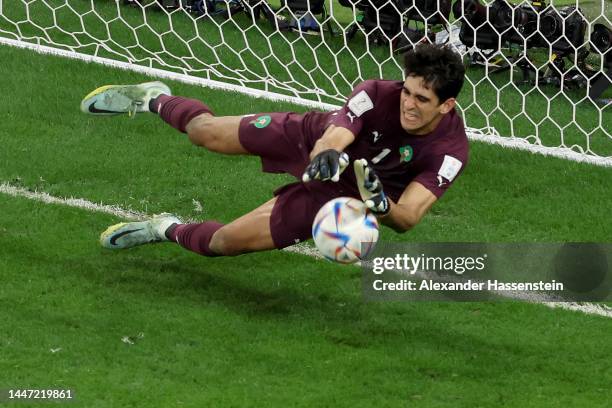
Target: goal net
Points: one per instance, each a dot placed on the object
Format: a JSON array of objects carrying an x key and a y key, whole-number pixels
[{"x": 538, "y": 74}]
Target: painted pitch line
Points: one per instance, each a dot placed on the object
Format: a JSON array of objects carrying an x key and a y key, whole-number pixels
[
  {"x": 486, "y": 135},
  {"x": 546, "y": 300},
  {"x": 46, "y": 198},
  {"x": 302, "y": 249}
]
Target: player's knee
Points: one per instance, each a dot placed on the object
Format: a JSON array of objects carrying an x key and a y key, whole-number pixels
[
  {"x": 203, "y": 131},
  {"x": 226, "y": 242}
]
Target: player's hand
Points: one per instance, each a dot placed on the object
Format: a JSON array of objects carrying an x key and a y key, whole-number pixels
[
  {"x": 370, "y": 188},
  {"x": 327, "y": 165}
]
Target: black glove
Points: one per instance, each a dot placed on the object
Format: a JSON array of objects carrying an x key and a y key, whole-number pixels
[
  {"x": 326, "y": 165},
  {"x": 370, "y": 188}
]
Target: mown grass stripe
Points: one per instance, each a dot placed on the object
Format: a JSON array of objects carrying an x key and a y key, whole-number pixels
[
  {"x": 302, "y": 249},
  {"x": 486, "y": 135}
]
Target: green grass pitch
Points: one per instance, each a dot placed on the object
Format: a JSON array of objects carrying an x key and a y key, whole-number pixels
[
  {"x": 234, "y": 50},
  {"x": 268, "y": 329}
]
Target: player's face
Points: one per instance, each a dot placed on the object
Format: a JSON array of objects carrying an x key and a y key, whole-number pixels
[{"x": 420, "y": 108}]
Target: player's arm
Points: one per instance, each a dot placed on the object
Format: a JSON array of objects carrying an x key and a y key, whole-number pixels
[
  {"x": 413, "y": 204},
  {"x": 327, "y": 159},
  {"x": 334, "y": 137}
]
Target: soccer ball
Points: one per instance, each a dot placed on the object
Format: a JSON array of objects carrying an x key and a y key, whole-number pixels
[{"x": 341, "y": 226}]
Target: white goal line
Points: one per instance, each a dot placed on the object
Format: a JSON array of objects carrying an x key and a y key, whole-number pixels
[
  {"x": 487, "y": 135},
  {"x": 302, "y": 249}
]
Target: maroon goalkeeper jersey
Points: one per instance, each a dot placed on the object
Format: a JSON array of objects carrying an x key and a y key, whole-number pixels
[{"x": 372, "y": 113}]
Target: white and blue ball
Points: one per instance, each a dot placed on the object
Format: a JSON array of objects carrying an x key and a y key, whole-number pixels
[{"x": 341, "y": 226}]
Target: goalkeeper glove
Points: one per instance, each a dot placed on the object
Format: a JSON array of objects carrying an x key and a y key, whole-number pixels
[
  {"x": 370, "y": 188},
  {"x": 326, "y": 165}
]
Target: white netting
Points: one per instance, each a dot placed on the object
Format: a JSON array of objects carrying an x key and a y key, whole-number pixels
[{"x": 531, "y": 66}]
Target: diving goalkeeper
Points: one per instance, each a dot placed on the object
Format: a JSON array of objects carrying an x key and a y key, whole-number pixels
[{"x": 406, "y": 142}]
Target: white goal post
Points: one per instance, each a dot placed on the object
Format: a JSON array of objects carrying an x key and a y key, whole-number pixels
[{"x": 537, "y": 74}]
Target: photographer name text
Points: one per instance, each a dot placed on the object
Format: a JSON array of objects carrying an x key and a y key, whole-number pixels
[{"x": 469, "y": 285}]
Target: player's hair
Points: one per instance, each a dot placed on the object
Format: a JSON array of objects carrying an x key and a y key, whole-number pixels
[{"x": 440, "y": 66}]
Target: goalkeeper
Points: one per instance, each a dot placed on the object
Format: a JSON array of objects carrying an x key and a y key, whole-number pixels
[{"x": 405, "y": 139}]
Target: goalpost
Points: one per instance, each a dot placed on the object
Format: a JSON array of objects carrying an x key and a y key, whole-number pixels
[{"x": 531, "y": 66}]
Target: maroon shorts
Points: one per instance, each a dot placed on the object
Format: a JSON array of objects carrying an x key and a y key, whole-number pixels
[
  {"x": 279, "y": 139},
  {"x": 293, "y": 213}
]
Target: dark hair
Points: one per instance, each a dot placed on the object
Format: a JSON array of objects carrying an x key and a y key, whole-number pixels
[{"x": 440, "y": 66}]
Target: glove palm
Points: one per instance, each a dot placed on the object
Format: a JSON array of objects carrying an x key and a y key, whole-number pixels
[{"x": 370, "y": 188}]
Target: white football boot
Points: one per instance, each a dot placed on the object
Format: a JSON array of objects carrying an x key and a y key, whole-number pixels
[
  {"x": 130, "y": 234},
  {"x": 117, "y": 99}
]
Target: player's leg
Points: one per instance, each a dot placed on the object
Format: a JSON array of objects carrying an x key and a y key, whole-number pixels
[
  {"x": 282, "y": 221},
  {"x": 191, "y": 116},
  {"x": 278, "y": 138},
  {"x": 249, "y": 233},
  {"x": 218, "y": 134}
]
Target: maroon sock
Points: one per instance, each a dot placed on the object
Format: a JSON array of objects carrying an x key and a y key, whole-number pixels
[
  {"x": 195, "y": 237},
  {"x": 177, "y": 111}
]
